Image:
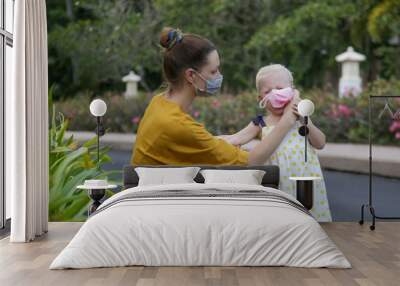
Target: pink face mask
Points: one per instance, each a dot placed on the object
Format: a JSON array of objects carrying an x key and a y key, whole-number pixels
[{"x": 278, "y": 97}]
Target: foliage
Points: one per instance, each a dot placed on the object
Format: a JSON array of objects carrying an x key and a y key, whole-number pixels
[
  {"x": 69, "y": 166},
  {"x": 313, "y": 33},
  {"x": 341, "y": 119},
  {"x": 346, "y": 119},
  {"x": 98, "y": 49},
  {"x": 123, "y": 115},
  {"x": 384, "y": 20},
  {"x": 96, "y": 42}
]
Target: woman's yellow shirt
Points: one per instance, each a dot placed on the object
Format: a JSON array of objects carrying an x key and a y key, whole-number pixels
[{"x": 169, "y": 136}]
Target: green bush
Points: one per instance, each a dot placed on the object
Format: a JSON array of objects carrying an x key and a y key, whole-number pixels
[
  {"x": 122, "y": 114},
  {"x": 226, "y": 113},
  {"x": 346, "y": 119},
  {"x": 341, "y": 119}
]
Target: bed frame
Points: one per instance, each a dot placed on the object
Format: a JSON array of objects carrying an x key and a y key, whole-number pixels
[{"x": 270, "y": 179}]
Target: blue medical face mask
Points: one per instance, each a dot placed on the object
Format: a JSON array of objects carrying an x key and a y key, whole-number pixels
[{"x": 212, "y": 85}]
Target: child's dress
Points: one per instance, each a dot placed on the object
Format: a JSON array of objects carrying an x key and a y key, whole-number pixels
[{"x": 289, "y": 156}]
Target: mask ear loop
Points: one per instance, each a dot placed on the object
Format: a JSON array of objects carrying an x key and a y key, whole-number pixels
[
  {"x": 263, "y": 101},
  {"x": 200, "y": 89}
]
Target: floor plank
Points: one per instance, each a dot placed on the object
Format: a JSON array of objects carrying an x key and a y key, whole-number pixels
[{"x": 374, "y": 255}]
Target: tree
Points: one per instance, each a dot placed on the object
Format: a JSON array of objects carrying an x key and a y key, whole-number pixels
[{"x": 95, "y": 42}]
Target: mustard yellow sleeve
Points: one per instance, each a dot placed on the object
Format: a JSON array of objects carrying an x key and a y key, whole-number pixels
[{"x": 195, "y": 145}]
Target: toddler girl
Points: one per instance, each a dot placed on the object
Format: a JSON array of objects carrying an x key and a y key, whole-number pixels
[{"x": 275, "y": 90}]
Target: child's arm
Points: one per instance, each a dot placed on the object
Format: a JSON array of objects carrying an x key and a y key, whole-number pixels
[
  {"x": 243, "y": 136},
  {"x": 316, "y": 137}
]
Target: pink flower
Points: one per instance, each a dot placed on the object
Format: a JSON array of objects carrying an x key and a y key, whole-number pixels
[
  {"x": 394, "y": 126},
  {"x": 136, "y": 119},
  {"x": 340, "y": 110},
  {"x": 216, "y": 104},
  {"x": 196, "y": 114},
  {"x": 344, "y": 110}
]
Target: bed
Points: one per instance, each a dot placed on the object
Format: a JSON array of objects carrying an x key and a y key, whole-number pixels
[{"x": 199, "y": 224}]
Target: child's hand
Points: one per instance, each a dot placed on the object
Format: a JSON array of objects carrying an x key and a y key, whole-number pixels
[
  {"x": 291, "y": 109},
  {"x": 296, "y": 100}
]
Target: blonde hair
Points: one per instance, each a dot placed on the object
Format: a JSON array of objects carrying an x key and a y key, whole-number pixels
[{"x": 271, "y": 69}]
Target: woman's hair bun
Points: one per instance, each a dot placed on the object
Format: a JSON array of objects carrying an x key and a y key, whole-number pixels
[{"x": 169, "y": 37}]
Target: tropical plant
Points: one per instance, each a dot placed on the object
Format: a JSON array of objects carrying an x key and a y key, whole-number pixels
[{"x": 69, "y": 166}]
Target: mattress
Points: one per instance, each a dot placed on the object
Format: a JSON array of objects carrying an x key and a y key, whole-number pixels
[{"x": 201, "y": 225}]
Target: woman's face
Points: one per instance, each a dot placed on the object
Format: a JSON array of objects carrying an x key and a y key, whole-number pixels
[
  {"x": 208, "y": 71},
  {"x": 272, "y": 82}
]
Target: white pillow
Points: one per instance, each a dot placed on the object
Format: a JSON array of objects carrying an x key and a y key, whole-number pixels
[
  {"x": 248, "y": 177},
  {"x": 165, "y": 176}
]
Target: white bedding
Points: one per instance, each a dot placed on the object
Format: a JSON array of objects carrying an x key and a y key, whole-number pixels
[{"x": 183, "y": 231}]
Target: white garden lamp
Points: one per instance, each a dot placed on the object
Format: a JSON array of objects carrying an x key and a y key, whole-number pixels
[
  {"x": 98, "y": 108},
  {"x": 350, "y": 81},
  {"x": 305, "y": 109},
  {"x": 304, "y": 185}
]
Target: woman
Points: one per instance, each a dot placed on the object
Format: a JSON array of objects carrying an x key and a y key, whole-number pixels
[{"x": 168, "y": 135}]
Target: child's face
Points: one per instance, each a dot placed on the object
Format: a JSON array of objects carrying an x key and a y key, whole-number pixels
[{"x": 267, "y": 84}]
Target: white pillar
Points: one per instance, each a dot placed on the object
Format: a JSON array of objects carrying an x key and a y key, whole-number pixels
[
  {"x": 350, "y": 81},
  {"x": 131, "y": 81}
]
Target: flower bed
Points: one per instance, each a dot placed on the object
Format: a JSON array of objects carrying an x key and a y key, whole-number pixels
[{"x": 341, "y": 119}]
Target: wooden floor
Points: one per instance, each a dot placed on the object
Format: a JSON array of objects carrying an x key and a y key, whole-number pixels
[{"x": 374, "y": 255}]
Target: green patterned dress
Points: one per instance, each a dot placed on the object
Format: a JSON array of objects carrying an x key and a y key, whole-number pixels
[{"x": 289, "y": 156}]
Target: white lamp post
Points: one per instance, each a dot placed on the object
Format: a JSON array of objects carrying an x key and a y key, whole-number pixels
[
  {"x": 305, "y": 185},
  {"x": 305, "y": 109},
  {"x": 131, "y": 81},
  {"x": 350, "y": 81},
  {"x": 98, "y": 108}
]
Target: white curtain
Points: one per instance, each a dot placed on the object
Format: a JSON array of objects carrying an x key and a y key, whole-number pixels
[{"x": 27, "y": 124}]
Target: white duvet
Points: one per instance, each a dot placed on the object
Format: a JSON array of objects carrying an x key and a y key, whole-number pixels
[{"x": 200, "y": 231}]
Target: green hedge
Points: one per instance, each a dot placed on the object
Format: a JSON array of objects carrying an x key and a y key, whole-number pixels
[{"x": 342, "y": 120}]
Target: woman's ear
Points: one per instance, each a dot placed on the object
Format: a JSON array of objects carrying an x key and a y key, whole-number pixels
[{"x": 189, "y": 75}]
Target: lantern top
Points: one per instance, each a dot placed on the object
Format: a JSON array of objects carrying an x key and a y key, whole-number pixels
[
  {"x": 350, "y": 56},
  {"x": 131, "y": 77},
  {"x": 98, "y": 107}
]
